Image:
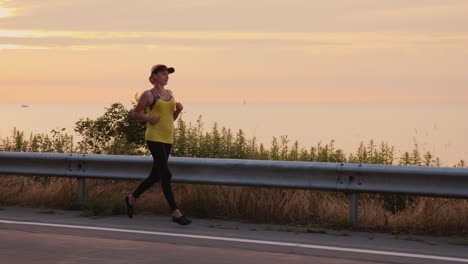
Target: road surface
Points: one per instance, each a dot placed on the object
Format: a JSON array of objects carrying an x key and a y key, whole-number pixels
[{"x": 29, "y": 236}]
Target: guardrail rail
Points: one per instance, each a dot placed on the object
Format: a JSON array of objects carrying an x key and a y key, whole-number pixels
[{"x": 353, "y": 178}]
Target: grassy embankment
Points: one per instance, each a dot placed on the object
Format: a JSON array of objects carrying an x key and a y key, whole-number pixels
[{"x": 396, "y": 213}]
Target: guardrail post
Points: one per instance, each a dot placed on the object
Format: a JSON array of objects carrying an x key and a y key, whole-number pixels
[
  {"x": 353, "y": 209},
  {"x": 81, "y": 190}
]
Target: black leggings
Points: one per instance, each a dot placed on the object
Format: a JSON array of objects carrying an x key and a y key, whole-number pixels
[{"x": 160, "y": 171}]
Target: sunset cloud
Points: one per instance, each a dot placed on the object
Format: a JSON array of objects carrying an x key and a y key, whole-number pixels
[
  {"x": 319, "y": 38},
  {"x": 4, "y": 47},
  {"x": 225, "y": 15},
  {"x": 342, "y": 49},
  {"x": 6, "y": 12}
]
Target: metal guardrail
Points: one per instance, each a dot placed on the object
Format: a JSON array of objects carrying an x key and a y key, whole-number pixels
[{"x": 346, "y": 177}]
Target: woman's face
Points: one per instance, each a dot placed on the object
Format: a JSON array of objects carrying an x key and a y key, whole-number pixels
[{"x": 161, "y": 77}]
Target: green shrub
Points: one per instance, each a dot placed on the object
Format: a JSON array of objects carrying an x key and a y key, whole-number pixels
[{"x": 103, "y": 206}]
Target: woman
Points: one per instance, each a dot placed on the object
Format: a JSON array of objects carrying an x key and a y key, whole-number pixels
[{"x": 159, "y": 137}]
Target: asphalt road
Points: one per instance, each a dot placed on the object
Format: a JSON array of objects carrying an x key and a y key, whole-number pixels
[{"x": 28, "y": 236}]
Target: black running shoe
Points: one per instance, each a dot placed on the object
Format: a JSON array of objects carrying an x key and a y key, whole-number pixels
[
  {"x": 129, "y": 207},
  {"x": 182, "y": 220}
]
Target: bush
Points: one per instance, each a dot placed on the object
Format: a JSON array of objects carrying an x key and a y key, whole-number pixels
[{"x": 102, "y": 206}]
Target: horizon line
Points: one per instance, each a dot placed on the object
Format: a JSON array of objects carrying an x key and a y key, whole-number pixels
[{"x": 253, "y": 101}]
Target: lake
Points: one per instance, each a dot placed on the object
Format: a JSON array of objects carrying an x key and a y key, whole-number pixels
[{"x": 440, "y": 128}]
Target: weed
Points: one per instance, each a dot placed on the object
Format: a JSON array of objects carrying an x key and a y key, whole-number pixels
[
  {"x": 229, "y": 227},
  {"x": 412, "y": 238},
  {"x": 224, "y": 227},
  {"x": 314, "y": 230},
  {"x": 285, "y": 229},
  {"x": 74, "y": 206},
  {"x": 459, "y": 242},
  {"x": 111, "y": 205},
  {"x": 396, "y": 233},
  {"x": 342, "y": 223},
  {"x": 46, "y": 211},
  {"x": 345, "y": 233}
]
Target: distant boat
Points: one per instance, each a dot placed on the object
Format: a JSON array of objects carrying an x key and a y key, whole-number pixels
[{"x": 24, "y": 105}]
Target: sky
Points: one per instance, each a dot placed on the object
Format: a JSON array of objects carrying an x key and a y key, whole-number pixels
[{"x": 54, "y": 51}]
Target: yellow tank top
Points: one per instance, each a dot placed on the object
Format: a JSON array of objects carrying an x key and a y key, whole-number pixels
[{"x": 162, "y": 131}]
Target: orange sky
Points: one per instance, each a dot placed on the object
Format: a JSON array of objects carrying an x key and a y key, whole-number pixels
[{"x": 230, "y": 51}]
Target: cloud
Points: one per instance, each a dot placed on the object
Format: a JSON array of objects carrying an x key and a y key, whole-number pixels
[
  {"x": 6, "y": 12},
  {"x": 186, "y": 48},
  {"x": 226, "y": 15},
  {"x": 322, "y": 37},
  {"x": 352, "y": 45},
  {"x": 20, "y": 47},
  {"x": 310, "y": 42}
]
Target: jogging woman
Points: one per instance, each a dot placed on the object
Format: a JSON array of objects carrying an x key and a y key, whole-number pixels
[{"x": 159, "y": 136}]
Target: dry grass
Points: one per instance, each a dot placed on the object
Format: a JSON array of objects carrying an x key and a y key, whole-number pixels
[
  {"x": 261, "y": 205},
  {"x": 37, "y": 192},
  {"x": 435, "y": 215}
]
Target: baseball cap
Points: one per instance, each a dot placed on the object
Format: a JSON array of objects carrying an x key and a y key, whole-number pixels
[{"x": 161, "y": 67}]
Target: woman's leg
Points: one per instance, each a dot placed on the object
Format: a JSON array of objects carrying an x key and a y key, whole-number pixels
[
  {"x": 153, "y": 176},
  {"x": 165, "y": 174},
  {"x": 166, "y": 183},
  {"x": 160, "y": 171}
]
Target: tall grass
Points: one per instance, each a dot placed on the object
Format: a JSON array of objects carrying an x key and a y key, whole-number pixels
[{"x": 377, "y": 212}]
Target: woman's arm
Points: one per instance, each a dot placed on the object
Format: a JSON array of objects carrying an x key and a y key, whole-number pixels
[
  {"x": 178, "y": 108},
  {"x": 138, "y": 111}
]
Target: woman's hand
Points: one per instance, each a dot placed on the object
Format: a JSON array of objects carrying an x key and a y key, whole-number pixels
[
  {"x": 153, "y": 119},
  {"x": 179, "y": 107}
]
